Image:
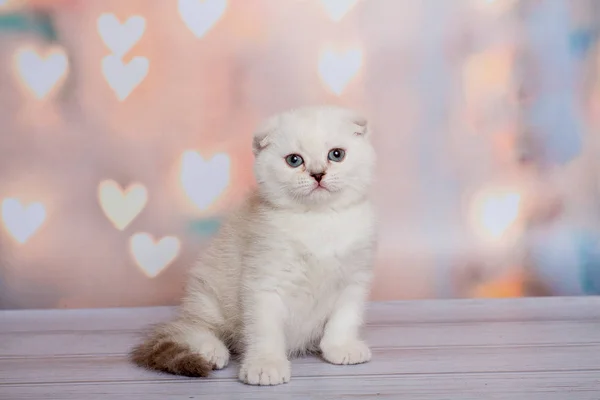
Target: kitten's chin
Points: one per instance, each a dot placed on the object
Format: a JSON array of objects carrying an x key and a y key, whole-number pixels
[
  {"x": 318, "y": 189},
  {"x": 319, "y": 195},
  {"x": 315, "y": 197}
]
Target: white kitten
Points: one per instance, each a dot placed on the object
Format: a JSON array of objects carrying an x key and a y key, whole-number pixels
[{"x": 290, "y": 271}]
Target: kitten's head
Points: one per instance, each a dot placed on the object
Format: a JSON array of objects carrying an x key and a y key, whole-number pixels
[{"x": 314, "y": 157}]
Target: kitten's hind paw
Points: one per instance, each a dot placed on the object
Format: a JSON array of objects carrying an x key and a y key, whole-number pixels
[
  {"x": 265, "y": 371},
  {"x": 354, "y": 352},
  {"x": 215, "y": 352}
]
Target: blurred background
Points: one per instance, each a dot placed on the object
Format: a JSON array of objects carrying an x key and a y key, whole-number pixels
[{"x": 125, "y": 131}]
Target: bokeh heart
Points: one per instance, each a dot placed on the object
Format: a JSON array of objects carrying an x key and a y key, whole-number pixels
[
  {"x": 20, "y": 221},
  {"x": 336, "y": 9},
  {"x": 201, "y": 15},
  {"x": 337, "y": 68},
  {"x": 151, "y": 256},
  {"x": 121, "y": 206},
  {"x": 204, "y": 180},
  {"x": 123, "y": 78},
  {"x": 41, "y": 74},
  {"x": 118, "y": 37},
  {"x": 494, "y": 211}
]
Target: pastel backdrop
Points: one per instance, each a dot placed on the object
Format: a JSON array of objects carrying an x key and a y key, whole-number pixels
[{"x": 126, "y": 127}]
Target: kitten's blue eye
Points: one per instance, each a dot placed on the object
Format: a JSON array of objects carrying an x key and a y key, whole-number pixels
[
  {"x": 336, "y": 155},
  {"x": 294, "y": 160}
]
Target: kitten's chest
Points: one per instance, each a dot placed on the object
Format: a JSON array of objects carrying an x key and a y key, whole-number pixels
[{"x": 320, "y": 237}]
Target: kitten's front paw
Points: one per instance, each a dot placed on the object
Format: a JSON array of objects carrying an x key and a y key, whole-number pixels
[
  {"x": 265, "y": 371},
  {"x": 354, "y": 352}
]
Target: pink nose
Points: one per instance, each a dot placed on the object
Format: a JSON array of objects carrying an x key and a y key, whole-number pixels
[{"x": 318, "y": 176}]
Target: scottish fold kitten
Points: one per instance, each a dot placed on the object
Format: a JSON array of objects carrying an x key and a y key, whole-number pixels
[{"x": 290, "y": 271}]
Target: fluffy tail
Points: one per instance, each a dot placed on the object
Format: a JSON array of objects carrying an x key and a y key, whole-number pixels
[{"x": 162, "y": 352}]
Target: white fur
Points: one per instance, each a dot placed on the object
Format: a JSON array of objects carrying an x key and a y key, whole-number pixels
[{"x": 289, "y": 272}]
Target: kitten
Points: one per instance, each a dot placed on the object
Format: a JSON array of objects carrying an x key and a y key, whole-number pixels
[{"x": 290, "y": 271}]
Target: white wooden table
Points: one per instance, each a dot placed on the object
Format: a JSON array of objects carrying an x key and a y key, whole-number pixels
[{"x": 522, "y": 349}]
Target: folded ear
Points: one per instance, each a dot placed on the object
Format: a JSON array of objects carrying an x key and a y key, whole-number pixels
[{"x": 262, "y": 135}]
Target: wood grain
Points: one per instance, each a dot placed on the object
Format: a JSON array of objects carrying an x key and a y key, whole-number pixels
[
  {"x": 546, "y": 348},
  {"x": 114, "y": 342},
  {"x": 573, "y": 385}
]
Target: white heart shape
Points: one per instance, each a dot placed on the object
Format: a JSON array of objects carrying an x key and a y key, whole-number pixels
[
  {"x": 120, "y": 38},
  {"x": 201, "y": 15},
  {"x": 153, "y": 257},
  {"x": 39, "y": 74},
  {"x": 121, "y": 206},
  {"x": 203, "y": 181},
  {"x": 22, "y": 222},
  {"x": 336, "y": 9},
  {"x": 494, "y": 211},
  {"x": 336, "y": 69},
  {"x": 123, "y": 78}
]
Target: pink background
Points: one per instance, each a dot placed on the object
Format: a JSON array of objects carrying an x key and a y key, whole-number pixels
[{"x": 463, "y": 96}]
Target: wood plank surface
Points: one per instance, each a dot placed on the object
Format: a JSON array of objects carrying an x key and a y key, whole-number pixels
[
  {"x": 578, "y": 385},
  {"x": 114, "y": 342},
  {"x": 399, "y": 312},
  {"x": 544, "y": 348}
]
